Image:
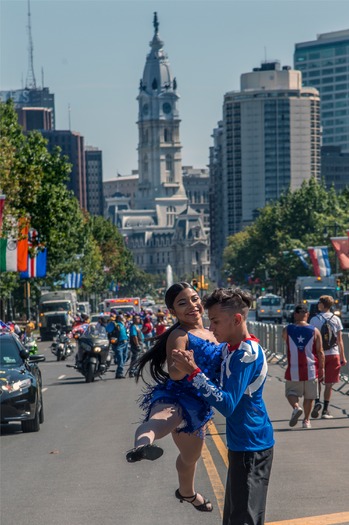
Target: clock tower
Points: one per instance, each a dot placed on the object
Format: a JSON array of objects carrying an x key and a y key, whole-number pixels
[{"x": 160, "y": 184}]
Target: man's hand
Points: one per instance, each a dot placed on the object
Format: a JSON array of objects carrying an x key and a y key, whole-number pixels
[{"x": 184, "y": 360}]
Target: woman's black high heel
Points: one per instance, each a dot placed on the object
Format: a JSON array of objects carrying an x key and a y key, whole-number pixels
[
  {"x": 206, "y": 506},
  {"x": 150, "y": 452}
]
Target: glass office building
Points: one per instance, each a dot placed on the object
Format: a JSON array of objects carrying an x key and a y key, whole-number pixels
[{"x": 324, "y": 64}]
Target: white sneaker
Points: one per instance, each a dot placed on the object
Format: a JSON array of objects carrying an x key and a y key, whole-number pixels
[
  {"x": 306, "y": 423},
  {"x": 326, "y": 415},
  {"x": 296, "y": 414}
]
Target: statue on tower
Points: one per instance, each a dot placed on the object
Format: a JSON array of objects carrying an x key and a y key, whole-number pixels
[{"x": 156, "y": 23}]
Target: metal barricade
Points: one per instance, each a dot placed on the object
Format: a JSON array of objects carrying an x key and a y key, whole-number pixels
[{"x": 270, "y": 336}]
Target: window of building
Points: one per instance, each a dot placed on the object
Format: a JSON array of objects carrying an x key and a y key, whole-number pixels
[
  {"x": 145, "y": 165},
  {"x": 170, "y": 215},
  {"x": 169, "y": 168}
]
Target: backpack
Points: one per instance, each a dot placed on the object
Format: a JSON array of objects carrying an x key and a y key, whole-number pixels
[{"x": 329, "y": 338}]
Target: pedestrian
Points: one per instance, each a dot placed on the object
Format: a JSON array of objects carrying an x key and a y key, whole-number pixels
[
  {"x": 136, "y": 343},
  {"x": 305, "y": 365},
  {"x": 161, "y": 326},
  {"x": 116, "y": 330},
  {"x": 171, "y": 405},
  {"x": 239, "y": 398},
  {"x": 147, "y": 330},
  {"x": 331, "y": 328}
]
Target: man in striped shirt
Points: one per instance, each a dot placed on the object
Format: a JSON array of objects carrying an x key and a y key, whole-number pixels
[{"x": 305, "y": 365}]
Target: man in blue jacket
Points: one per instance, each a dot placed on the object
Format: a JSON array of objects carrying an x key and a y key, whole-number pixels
[{"x": 239, "y": 398}]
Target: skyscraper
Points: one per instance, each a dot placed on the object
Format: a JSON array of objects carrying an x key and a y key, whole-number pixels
[
  {"x": 324, "y": 64},
  {"x": 94, "y": 180},
  {"x": 270, "y": 142}
]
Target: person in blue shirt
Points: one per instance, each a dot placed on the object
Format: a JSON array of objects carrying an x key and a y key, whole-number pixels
[
  {"x": 136, "y": 343},
  {"x": 249, "y": 431},
  {"x": 117, "y": 333}
]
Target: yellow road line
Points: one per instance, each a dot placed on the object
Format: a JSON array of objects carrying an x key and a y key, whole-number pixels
[
  {"x": 217, "y": 485},
  {"x": 340, "y": 518},
  {"x": 221, "y": 446}
]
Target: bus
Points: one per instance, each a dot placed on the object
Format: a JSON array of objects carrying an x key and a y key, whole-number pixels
[
  {"x": 122, "y": 304},
  {"x": 269, "y": 307}
]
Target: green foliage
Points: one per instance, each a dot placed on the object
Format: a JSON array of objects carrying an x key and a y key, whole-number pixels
[
  {"x": 306, "y": 217},
  {"x": 34, "y": 182}
]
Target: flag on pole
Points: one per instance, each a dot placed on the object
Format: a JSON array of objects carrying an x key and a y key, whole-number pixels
[
  {"x": 303, "y": 255},
  {"x": 36, "y": 265},
  {"x": 341, "y": 247},
  {"x": 73, "y": 280},
  {"x": 13, "y": 251},
  {"x": 320, "y": 259}
]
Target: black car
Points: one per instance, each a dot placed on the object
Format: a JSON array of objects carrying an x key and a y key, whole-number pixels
[{"x": 20, "y": 384}]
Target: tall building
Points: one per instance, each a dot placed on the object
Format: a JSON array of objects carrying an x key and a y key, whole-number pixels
[
  {"x": 72, "y": 146},
  {"x": 335, "y": 167},
  {"x": 32, "y": 98},
  {"x": 217, "y": 204},
  {"x": 270, "y": 142},
  {"x": 35, "y": 118},
  {"x": 324, "y": 64},
  {"x": 94, "y": 180},
  {"x": 162, "y": 218}
]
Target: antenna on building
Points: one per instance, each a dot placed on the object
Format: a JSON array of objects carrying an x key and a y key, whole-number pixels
[
  {"x": 30, "y": 82},
  {"x": 42, "y": 78},
  {"x": 69, "y": 117}
]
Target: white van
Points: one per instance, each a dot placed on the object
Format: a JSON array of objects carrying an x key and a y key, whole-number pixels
[{"x": 269, "y": 307}]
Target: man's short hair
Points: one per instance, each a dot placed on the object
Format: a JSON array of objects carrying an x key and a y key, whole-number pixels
[
  {"x": 301, "y": 309},
  {"x": 327, "y": 301},
  {"x": 235, "y": 299}
]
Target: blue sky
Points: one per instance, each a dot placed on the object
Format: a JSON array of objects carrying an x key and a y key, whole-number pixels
[{"x": 93, "y": 54}]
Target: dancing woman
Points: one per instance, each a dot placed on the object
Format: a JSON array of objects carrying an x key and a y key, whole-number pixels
[{"x": 171, "y": 406}]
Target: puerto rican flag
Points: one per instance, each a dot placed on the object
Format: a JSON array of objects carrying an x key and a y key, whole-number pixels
[
  {"x": 36, "y": 265},
  {"x": 320, "y": 259},
  {"x": 301, "y": 353}
]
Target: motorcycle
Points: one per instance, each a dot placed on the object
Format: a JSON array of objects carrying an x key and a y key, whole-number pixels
[
  {"x": 31, "y": 345},
  {"x": 61, "y": 346},
  {"x": 93, "y": 356}
]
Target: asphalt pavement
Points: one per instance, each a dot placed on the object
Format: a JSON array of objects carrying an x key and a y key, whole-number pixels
[{"x": 74, "y": 472}]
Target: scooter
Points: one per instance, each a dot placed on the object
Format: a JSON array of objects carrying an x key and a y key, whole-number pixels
[
  {"x": 93, "y": 357},
  {"x": 61, "y": 346}
]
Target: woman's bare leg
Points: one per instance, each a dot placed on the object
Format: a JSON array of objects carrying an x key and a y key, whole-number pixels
[
  {"x": 190, "y": 449},
  {"x": 163, "y": 419}
]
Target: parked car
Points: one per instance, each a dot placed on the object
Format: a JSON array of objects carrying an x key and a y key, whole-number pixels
[
  {"x": 20, "y": 384},
  {"x": 288, "y": 312}
]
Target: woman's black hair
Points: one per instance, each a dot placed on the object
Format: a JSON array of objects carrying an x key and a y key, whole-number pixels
[{"x": 156, "y": 356}]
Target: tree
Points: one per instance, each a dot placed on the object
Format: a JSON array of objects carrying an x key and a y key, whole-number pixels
[{"x": 299, "y": 219}]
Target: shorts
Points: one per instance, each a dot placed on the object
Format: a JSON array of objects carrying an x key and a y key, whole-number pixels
[
  {"x": 306, "y": 389},
  {"x": 332, "y": 368}
]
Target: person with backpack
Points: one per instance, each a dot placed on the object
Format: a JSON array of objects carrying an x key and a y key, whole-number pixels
[
  {"x": 331, "y": 328},
  {"x": 305, "y": 365}
]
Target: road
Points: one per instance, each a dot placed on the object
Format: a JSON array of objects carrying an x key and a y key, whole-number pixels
[{"x": 73, "y": 472}]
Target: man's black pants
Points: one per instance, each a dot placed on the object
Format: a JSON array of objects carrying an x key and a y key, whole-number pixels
[{"x": 247, "y": 487}]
